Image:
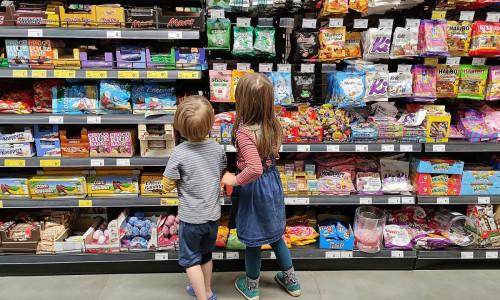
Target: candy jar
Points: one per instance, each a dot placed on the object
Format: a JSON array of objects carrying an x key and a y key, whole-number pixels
[{"x": 369, "y": 228}]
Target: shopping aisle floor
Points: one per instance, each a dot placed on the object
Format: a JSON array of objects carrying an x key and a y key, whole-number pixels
[{"x": 341, "y": 285}]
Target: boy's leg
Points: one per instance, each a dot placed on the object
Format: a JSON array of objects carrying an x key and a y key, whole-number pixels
[
  {"x": 207, "y": 275},
  {"x": 190, "y": 256},
  {"x": 208, "y": 245},
  {"x": 197, "y": 281}
]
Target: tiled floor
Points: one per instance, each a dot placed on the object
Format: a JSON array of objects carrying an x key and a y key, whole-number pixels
[{"x": 344, "y": 285}]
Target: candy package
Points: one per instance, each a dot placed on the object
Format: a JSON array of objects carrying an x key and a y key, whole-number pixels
[
  {"x": 153, "y": 98},
  {"x": 404, "y": 42},
  {"x": 220, "y": 86},
  {"x": 235, "y": 77},
  {"x": 282, "y": 83},
  {"x": 424, "y": 83},
  {"x": 337, "y": 183},
  {"x": 303, "y": 87},
  {"x": 264, "y": 43},
  {"x": 396, "y": 236},
  {"x": 432, "y": 40},
  {"x": 302, "y": 235},
  {"x": 493, "y": 86},
  {"x": 233, "y": 243},
  {"x": 400, "y": 85},
  {"x": 75, "y": 99},
  {"x": 368, "y": 183},
  {"x": 376, "y": 43},
  {"x": 43, "y": 94},
  {"x": 472, "y": 83},
  {"x": 395, "y": 176},
  {"x": 447, "y": 81},
  {"x": 459, "y": 37},
  {"x": 353, "y": 45},
  {"x": 304, "y": 46},
  {"x": 349, "y": 89},
  {"x": 485, "y": 39},
  {"x": 376, "y": 86},
  {"x": 218, "y": 34},
  {"x": 358, "y": 5},
  {"x": 335, "y": 123},
  {"x": 331, "y": 44},
  {"x": 381, "y": 6},
  {"x": 219, "y": 4},
  {"x": 332, "y": 7},
  {"x": 242, "y": 41},
  {"x": 222, "y": 234},
  {"x": 114, "y": 97}
]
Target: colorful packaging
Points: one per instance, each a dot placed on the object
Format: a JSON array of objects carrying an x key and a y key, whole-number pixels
[
  {"x": 218, "y": 34},
  {"x": 493, "y": 86},
  {"x": 43, "y": 94},
  {"x": 404, "y": 43},
  {"x": 153, "y": 98},
  {"x": 14, "y": 188},
  {"x": 331, "y": 44},
  {"x": 332, "y": 7},
  {"x": 358, "y": 5},
  {"x": 472, "y": 83},
  {"x": 459, "y": 36},
  {"x": 151, "y": 184},
  {"x": 235, "y": 77},
  {"x": 368, "y": 183},
  {"x": 432, "y": 40},
  {"x": 242, "y": 41},
  {"x": 424, "y": 83},
  {"x": 74, "y": 99},
  {"x": 400, "y": 85},
  {"x": 376, "y": 86},
  {"x": 282, "y": 83},
  {"x": 349, "y": 89},
  {"x": 353, "y": 45},
  {"x": 233, "y": 243},
  {"x": 447, "y": 81},
  {"x": 220, "y": 86},
  {"x": 397, "y": 237},
  {"x": 99, "y": 143},
  {"x": 17, "y": 53},
  {"x": 304, "y": 46},
  {"x": 485, "y": 39},
  {"x": 41, "y": 54},
  {"x": 114, "y": 96},
  {"x": 222, "y": 234},
  {"x": 119, "y": 186},
  {"x": 303, "y": 87},
  {"x": 335, "y": 123},
  {"x": 264, "y": 43},
  {"x": 122, "y": 143},
  {"x": 57, "y": 187},
  {"x": 377, "y": 43}
]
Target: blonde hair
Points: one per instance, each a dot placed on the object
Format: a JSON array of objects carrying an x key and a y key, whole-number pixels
[
  {"x": 255, "y": 107},
  {"x": 194, "y": 118}
]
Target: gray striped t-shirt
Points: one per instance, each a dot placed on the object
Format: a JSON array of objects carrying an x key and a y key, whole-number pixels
[{"x": 197, "y": 167}]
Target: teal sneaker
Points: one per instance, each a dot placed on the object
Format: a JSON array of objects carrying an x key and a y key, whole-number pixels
[
  {"x": 293, "y": 290},
  {"x": 241, "y": 285}
]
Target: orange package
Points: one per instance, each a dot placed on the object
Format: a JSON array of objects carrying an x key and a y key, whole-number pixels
[
  {"x": 353, "y": 45},
  {"x": 331, "y": 44}
]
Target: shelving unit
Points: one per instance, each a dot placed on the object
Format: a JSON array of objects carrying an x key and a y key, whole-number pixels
[
  {"x": 101, "y": 74},
  {"x": 125, "y": 119},
  {"x": 136, "y": 161}
]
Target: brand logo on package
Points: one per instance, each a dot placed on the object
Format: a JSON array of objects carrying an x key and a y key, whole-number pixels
[
  {"x": 176, "y": 23},
  {"x": 140, "y": 24},
  {"x": 381, "y": 44},
  {"x": 33, "y": 21}
]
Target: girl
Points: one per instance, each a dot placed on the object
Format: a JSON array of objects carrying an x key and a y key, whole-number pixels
[{"x": 258, "y": 203}]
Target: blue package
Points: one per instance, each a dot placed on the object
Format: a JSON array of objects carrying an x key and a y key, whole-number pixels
[
  {"x": 282, "y": 88},
  {"x": 114, "y": 96},
  {"x": 350, "y": 88},
  {"x": 74, "y": 99},
  {"x": 226, "y": 129},
  {"x": 153, "y": 98}
]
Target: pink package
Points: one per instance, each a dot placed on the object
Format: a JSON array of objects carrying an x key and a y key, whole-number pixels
[
  {"x": 396, "y": 236},
  {"x": 493, "y": 86},
  {"x": 99, "y": 143},
  {"x": 220, "y": 85},
  {"x": 492, "y": 121},
  {"x": 121, "y": 142},
  {"x": 368, "y": 183},
  {"x": 433, "y": 35},
  {"x": 336, "y": 184},
  {"x": 454, "y": 133},
  {"x": 424, "y": 83}
]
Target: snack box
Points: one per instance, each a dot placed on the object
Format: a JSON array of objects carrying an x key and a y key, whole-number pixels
[
  {"x": 156, "y": 132},
  {"x": 16, "y": 134},
  {"x": 74, "y": 146},
  {"x": 437, "y": 128},
  {"x": 329, "y": 237},
  {"x": 120, "y": 186},
  {"x": 181, "y": 20},
  {"x": 24, "y": 240},
  {"x": 57, "y": 187},
  {"x": 46, "y": 132},
  {"x": 156, "y": 148},
  {"x": 427, "y": 178},
  {"x": 436, "y": 189},
  {"x": 84, "y": 19},
  {"x": 50, "y": 148},
  {"x": 436, "y": 165},
  {"x": 6, "y": 13},
  {"x": 480, "y": 173},
  {"x": 113, "y": 227},
  {"x": 162, "y": 60},
  {"x": 190, "y": 58},
  {"x": 99, "y": 145},
  {"x": 62, "y": 245},
  {"x": 480, "y": 189},
  {"x": 141, "y": 17},
  {"x": 110, "y": 16},
  {"x": 18, "y": 53},
  {"x": 14, "y": 188},
  {"x": 122, "y": 143},
  {"x": 152, "y": 242},
  {"x": 101, "y": 62},
  {"x": 151, "y": 184},
  {"x": 41, "y": 54},
  {"x": 36, "y": 16},
  {"x": 17, "y": 150},
  {"x": 66, "y": 58},
  {"x": 131, "y": 57}
]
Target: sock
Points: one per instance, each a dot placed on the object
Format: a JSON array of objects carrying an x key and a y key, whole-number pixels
[
  {"x": 289, "y": 276},
  {"x": 253, "y": 284}
]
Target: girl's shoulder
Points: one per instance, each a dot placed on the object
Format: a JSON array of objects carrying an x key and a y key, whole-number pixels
[{"x": 245, "y": 133}]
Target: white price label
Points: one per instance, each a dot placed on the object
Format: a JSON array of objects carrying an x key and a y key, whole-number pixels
[
  {"x": 332, "y": 148},
  {"x": 289, "y": 201},
  {"x": 217, "y": 255},
  {"x": 302, "y": 201},
  {"x": 467, "y": 255},
  {"x": 243, "y": 67},
  {"x": 453, "y": 60},
  {"x": 222, "y": 201},
  {"x": 230, "y": 148},
  {"x": 123, "y": 162},
  {"x": 303, "y": 148},
  {"x": 385, "y": 23},
  {"x": 309, "y": 23},
  {"x": 243, "y": 22},
  {"x": 219, "y": 67},
  {"x": 492, "y": 254},
  {"x": 405, "y": 148},
  {"x": 479, "y": 61},
  {"x": 273, "y": 255},
  {"x": 439, "y": 148},
  {"x": 336, "y": 22},
  {"x": 345, "y": 254},
  {"x": 407, "y": 200},
  {"x": 174, "y": 35},
  {"x": 483, "y": 200},
  {"x": 94, "y": 120},
  {"x": 217, "y": 14},
  {"x": 56, "y": 119},
  {"x": 281, "y": 148},
  {"x": 284, "y": 68},
  {"x": 361, "y": 148},
  {"x": 492, "y": 17},
  {"x": 360, "y": 23},
  {"x": 38, "y": 33},
  {"x": 232, "y": 255},
  {"x": 97, "y": 162},
  {"x": 365, "y": 200},
  {"x": 161, "y": 256},
  {"x": 332, "y": 254},
  {"x": 265, "y": 68},
  {"x": 394, "y": 200},
  {"x": 287, "y": 22},
  {"x": 404, "y": 68},
  {"x": 381, "y": 68},
  {"x": 387, "y": 148},
  {"x": 467, "y": 15},
  {"x": 412, "y": 23},
  {"x": 307, "y": 68},
  {"x": 397, "y": 254},
  {"x": 443, "y": 200},
  {"x": 113, "y": 34}
]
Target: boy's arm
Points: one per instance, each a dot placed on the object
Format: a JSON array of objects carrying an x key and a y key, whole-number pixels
[
  {"x": 169, "y": 184},
  {"x": 172, "y": 172}
]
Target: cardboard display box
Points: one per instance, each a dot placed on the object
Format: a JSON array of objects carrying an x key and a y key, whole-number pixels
[{"x": 329, "y": 239}]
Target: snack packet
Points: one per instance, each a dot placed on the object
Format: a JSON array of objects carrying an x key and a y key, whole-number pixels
[
  {"x": 282, "y": 83},
  {"x": 353, "y": 45},
  {"x": 152, "y": 98},
  {"x": 472, "y": 83},
  {"x": 43, "y": 94},
  {"x": 404, "y": 42},
  {"x": 332, "y": 7},
  {"x": 222, "y": 234},
  {"x": 264, "y": 43},
  {"x": 233, "y": 243},
  {"x": 331, "y": 44},
  {"x": 303, "y": 87},
  {"x": 493, "y": 86},
  {"x": 396, "y": 236},
  {"x": 424, "y": 83},
  {"x": 433, "y": 35},
  {"x": 376, "y": 86},
  {"x": 459, "y": 36},
  {"x": 242, "y": 41},
  {"x": 220, "y": 86},
  {"x": 219, "y": 34},
  {"x": 368, "y": 183},
  {"x": 304, "y": 46},
  {"x": 376, "y": 43},
  {"x": 349, "y": 89},
  {"x": 114, "y": 96},
  {"x": 485, "y": 39},
  {"x": 400, "y": 85},
  {"x": 358, "y": 5},
  {"x": 447, "y": 81}
]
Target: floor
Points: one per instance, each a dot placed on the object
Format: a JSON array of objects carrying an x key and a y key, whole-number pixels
[{"x": 345, "y": 285}]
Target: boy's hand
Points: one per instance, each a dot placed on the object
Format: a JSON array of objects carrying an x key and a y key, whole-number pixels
[{"x": 229, "y": 179}]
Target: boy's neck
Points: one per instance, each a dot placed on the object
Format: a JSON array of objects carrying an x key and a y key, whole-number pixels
[{"x": 198, "y": 141}]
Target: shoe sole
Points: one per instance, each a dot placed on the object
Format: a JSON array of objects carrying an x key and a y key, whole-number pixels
[
  {"x": 294, "y": 294},
  {"x": 243, "y": 294}
]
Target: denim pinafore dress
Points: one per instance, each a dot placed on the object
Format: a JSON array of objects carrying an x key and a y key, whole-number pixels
[{"x": 259, "y": 208}]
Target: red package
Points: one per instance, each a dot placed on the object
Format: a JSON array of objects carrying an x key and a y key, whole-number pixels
[
  {"x": 485, "y": 39},
  {"x": 222, "y": 235},
  {"x": 43, "y": 94},
  {"x": 16, "y": 102}
]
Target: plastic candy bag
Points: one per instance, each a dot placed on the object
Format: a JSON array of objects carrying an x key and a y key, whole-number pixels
[
  {"x": 282, "y": 83},
  {"x": 447, "y": 81},
  {"x": 493, "y": 87},
  {"x": 331, "y": 44},
  {"x": 233, "y": 243},
  {"x": 332, "y": 7},
  {"x": 404, "y": 42},
  {"x": 376, "y": 86},
  {"x": 304, "y": 46},
  {"x": 424, "y": 83},
  {"x": 472, "y": 83},
  {"x": 433, "y": 36},
  {"x": 219, "y": 34},
  {"x": 222, "y": 234},
  {"x": 243, "y": 41},
  {"x": 459, "y": 37},
  {"x": 220, "y": 86},
  {"x": 43, "y": 94},
  {"x": 114, "y": 97},
  {"x": 358, "y": 5},
  {"x": 349, "y": 89},
  {"x": 368, "y": 183},
  {"x": 236, "y": 76},
  {"x": 303, "y": 87},
  {"x": 264, "y": 43},
  {"x": 485, "y": 39},
  {"x": 400, "y": 85},
  {"x": 397, "y": 237},
  {"x": 219, "y": 4},
  {"x": 153, "y": 98},
  {"x": 353, "y": 45},
  {"x": 376, "y": 43}
]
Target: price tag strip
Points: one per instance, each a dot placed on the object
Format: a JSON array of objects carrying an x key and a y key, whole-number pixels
[
  {"x": 360, "y": 23},
  {"x": 265, "y": 68},
  {"x": 243, "y": 67}
]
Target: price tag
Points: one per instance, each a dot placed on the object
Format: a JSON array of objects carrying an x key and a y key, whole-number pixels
[
  {"x": 169, "y": 201},
  {"x": 265, "y": 68},
  {"x": 492, "y": 17},
  {"x": 332, "y": 148},
  {"x": 467, "y": 15},
  {"x": 381, "y": 68},
  {"x": 332, "y": 254},
  {"x": 97, "y": 162},
  {"x": 309, "y": 23},
  {"x": 336, "y": 22},
  {"x": 361, "y": 148},
  {"x": 431, "y": 61},
  {"x": 492, "y": 255},
  {"x": 385, "y": 23},
  {"x": 19, "y": 73},
  {"x": 412, "y": 23},
  {"x": 50, "y": 162},
  {"x": 93, "y": 119},
  {"x": 157, "y": 74},
  {"x": 307, "y": 68},
  {"x": 302, "y": 201},
  {"x": 439, "y": 148},
  {"x": 273, "y": 255},
  {"x": 220, "y": 67},
  {"x": 303, "y": 148},
  {"x": 84, "y": 203},
  {"x": 188, "y": 75},
  {"x": 405, "y": 148},
  {"x": 174, "y": 35},
  {"x": 56, "y": 119},
  {"x": 232, "y": 255},
  {"x": 289, "y": 201},
  {"x": 397, "y": 254},
  {"x": 328, "y": 68},
  {"x": 281, "y": 148},
  {"x": 243, "y": 22},
  {"x": 161, "y": 256},
  {"x": 365, "y": 200},
  {"x": 453, "y": 61},
  {"x": 217, "y": 14},
  {"x": 96, "y": 74},
  {"x": 345, "y": 254},
  {"x": 404, "y": 68},
  {"x": 266, "y": 22},
  {"x": 483, "y": 200},
  {"x": 113, "y": 34},
  {"x": 217, "y": 255},
  {"x": 394, "y": 200},
  {"x": 467, "y": 255},
  {"x": 38, "y": 74},
  {"x": 1, "y": 204},
  {"x": 407, "y": 200},
  {"x": 230, "y": 148},
  {"x": 287, "y": 22},
  {"x": 438, "y": 14},
  {"x": 284, "y": 68},
  {"x": 479, "y": 61},
  {"x": 64, "y": 74},
  {"x": 123, "y": 162},
  {"x": 128, "y": 74},
  {"x": 443, "y": 200},
  {"x": 360, "y": 23},
  {"x": 35, "y": 33},
  {"x": 19, "y": 163},
  {"x": 243, "y": 67},
  {"x": 387, "y": 148}
]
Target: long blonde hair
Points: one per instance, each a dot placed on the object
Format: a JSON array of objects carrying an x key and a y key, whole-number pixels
[{"x": 255, "y": 107}]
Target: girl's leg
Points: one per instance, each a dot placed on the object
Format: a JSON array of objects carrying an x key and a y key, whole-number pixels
[
  {"x": 287, "y": 277},
  {"x": 282, "y": 254},
  {"x": 253, "y": 262}
]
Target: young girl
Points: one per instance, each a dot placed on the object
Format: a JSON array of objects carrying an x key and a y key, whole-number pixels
[{"x": 258, "y": 202}]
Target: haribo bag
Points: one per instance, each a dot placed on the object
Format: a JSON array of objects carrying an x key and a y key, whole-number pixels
[
  {"x": 472, "y": 82},
  {"x": 459, "y": 36},
  {"x": 447, "y": 81}
]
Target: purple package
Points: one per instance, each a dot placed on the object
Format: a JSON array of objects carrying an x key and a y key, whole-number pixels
[
  {"x": 424, "y": 83},
  {"x": 455, "y": 134},
  {"x": 431, "y": 242},
  {"x": 396, "y": 236},
  {"x": 93, "y": 62},
  {"x": 433, "y": 35}
]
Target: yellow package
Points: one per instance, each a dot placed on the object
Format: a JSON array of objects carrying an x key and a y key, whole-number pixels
[
  {"x": 332, "y": 7},
  {"x": 353, "y": 45},
  {"x": 447, "y": 81},
  {"x": 459, "y": 35},
  {"x": 302, "y": 235},
  {"x": 287, "y": 240},
  {"x": 235, "y": 77},
  {"x": 331, "y": 44},
  {"x": 151, "y": 185},
  {"x": 119, "y": 186},
  {"x": 57, "y": 186},
  {"x": 358, "y": 5}
]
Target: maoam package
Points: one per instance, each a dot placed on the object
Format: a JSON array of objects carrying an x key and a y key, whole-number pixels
[
  {"x": 109, "y": 185},
  {"x": 141, "y": 17},
  {"x": 57, "y": 187},
  {"x": 480, "y": 174},
  {"x": 15, "y": 134},
  {"x": 13, "y": 187}
]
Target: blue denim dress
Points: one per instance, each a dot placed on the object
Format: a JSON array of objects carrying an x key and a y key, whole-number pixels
[{"x": 259, "y": 208}]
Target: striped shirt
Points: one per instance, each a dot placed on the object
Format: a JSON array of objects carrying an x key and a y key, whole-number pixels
[{"x": 197, "y": 167}]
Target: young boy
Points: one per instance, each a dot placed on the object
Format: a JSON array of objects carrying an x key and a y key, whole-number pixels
[{"x": 195, "y": 167}]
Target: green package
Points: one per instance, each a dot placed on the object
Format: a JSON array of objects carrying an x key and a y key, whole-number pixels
[
  {"x": 233, "y": 243},
  {"x": 243, "y": 41},
  {"x": 219, "y": 34},
  {"x": 265, "y": 41},
  {"x": 472, "y": 84},
  {"x": 219, "y": 4}
]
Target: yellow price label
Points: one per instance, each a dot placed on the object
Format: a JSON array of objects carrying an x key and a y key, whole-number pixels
[
  {"x": 64, "y": 74},
  {"x": 128, "y": 74},
  {"x": 1, "y": 203},
  {"x": 96, "y": 74},
  {"x": 431, "y": 61},
  {"x": 15, "y": 163},
  {"x": 188, "y": 75},
  {"x": 50, "y": 163},
  {"x": 84, "y": 203},
  {"x": 438, "y": 14},
  {"x": 157, "y": 74},
  {"x": 20, "y": 73},
  {"x": 169, "y": 201},
  {"x": 39, "y": 74}
]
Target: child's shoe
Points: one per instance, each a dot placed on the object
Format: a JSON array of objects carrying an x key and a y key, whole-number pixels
[
  {"x": 191, "y": 292},
  {"x": 249, "y": 288},
  {"x": 288, "y": 280}
]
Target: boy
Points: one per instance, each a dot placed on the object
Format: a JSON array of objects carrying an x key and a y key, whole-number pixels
[{"x": 195, "y": 167}]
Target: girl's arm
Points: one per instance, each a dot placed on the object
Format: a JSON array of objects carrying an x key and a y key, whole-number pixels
[{"x": 248, "y": 150}]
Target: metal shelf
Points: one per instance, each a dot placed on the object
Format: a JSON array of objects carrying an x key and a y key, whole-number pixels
[
  {"x": 462, "y": 147},
  {"x": 349, "y": 200},
  {"x": 82, "y": 161},
  {"x": 101, "y": 73},
  {"x": 75, "y": 33},
  {"x": 344, "y": 147},
  {"x": 444, "y": 200},
  {"x": 33, "y": 119},
  {"x": 458, "y": 254}
]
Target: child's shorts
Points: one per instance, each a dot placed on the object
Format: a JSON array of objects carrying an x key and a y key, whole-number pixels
[{"x": 196, "y": 242}]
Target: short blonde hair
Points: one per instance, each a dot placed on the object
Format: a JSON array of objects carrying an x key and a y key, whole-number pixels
[{"x": 194, "y": 118}]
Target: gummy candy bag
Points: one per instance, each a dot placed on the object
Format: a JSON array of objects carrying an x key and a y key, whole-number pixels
[
  {"x": 400, "y": 85},
  {"x": 447, "y": 81},
  {"x": 304, "y": 46},
  {"x": 282, "y": 83},
  {"x": 114, "y": 96},
  {"x": 349, "y": 89},
  {"x": 353, "y": 45},
  {"x": 404, "y": 42},
  {"x": 433, "y": 36},
  {"x": 331, "y": 43},
  {"x": 485, "y": 39},
  {"x": 303, "y": 87},
  {"x": 493, "y": 87},
  {"x": 242, "y": 41},
  {"x": 459, "y": 36},
  {"x": 358, "y": 5},
  {"x": 220, "y": 86},
  {"x": 368, "y": 183},
  {"x": 472, "y": 82},
  {"x": 218, "y": 34},
  {"x": 332, "y": 7},
  {"x": 236, "y": 75},
  {"x": 424, "y": 83},
  {"x": 43, "y": 94},
  {"x": 376, "y": 86},
  {"x": 376, "y": 43},
  {"x": 264, "y": 43}
]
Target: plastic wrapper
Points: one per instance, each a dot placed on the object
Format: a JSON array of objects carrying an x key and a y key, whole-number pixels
[
  {"x": 242, "y": 41},
  {"x": 282, "y": 83},
  {"x": 376, "y": 43},
  {"x": 358, "y": 5},
  {"x": 353, "y": 45},
  {"x": 404, "y": 42},
  {"x": 432, "y": 40},
  {"x": 493, "y": 84},
  {"x": 485, "y": 39},
  {"x": 395, "y": 176},
  {"x": 459, "y": 37},
  {"x": 235, "y": 77},
  {"x": 114, "y": 97},
  {"x": 368, "y": 183},
  {"x": 220, "y": 86},
  {"x": 472, "y": 83},
  {"x": 447, "y": 81},
  {"x": 43, "y": 94},
  {"x": 400, "y": 85},
  {"x": 152, "y": 98},
  {"x": 222, "y": 234},
  {"x": 333, "y": 7},
  {"x": 264, "y": 43},
  {"x": 233, "y": 243},
  {"x": 218, "y": 34},
  {"x": 424, "y": 83},
  {"x": 304, "y": 46},
  {"x": 376, "y": 86},
  {"x": 303, "y": 87},
  {"x": 396, "y": 236},
  {"x": 331, "y": 44}
]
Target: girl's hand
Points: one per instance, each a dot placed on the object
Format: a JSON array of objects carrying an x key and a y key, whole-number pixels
[{"x": 229, "y": 179}]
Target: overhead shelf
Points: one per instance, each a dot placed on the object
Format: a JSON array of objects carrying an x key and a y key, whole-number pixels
[
  {"x": 344, "y": 147},
  {"x": 83, "y": 162},
  {"x": 101, "y": 73},
  {"x": 445, "y": 200},
  {"x": 462, "y": 147},
  {"x": 115, "y": 119}
]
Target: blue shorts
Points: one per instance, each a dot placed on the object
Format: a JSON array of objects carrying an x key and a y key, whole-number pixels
[{"x": 196, "y": 242}]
